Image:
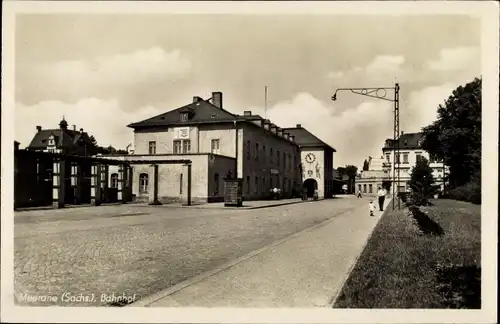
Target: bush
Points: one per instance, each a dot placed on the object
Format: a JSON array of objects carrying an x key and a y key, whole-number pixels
[{"x": 470, "y": 192}]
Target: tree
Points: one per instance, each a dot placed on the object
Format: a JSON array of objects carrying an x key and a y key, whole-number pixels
[
  {"x": 93, "y": 140},
  {"x": 352, "y": 172},
  {"x": 366, "y": 165},
  {"x": 422, "y": 182},
  {"x": 455, "y": 137}
]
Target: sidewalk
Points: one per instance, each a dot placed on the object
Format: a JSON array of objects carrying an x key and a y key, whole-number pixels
[
  {"x": 253, "y": 204},
  {"x": 305, "y": 270}
]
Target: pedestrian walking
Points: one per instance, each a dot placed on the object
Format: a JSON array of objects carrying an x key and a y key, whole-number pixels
[
  {"x": 381, "y": 197},
  {"x": 359, "y": 194},
  {"x": 371, "y": 206}
]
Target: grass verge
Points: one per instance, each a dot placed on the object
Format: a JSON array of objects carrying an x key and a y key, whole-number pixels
[{"x": 406, "y": 265}]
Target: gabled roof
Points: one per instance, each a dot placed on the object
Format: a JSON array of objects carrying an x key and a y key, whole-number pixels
[
  {"x": 304, "y": 138},
  {"x": 63, "y": 138},
  {"x": 202, "y": 112},
  {"x": 406, "y": 141}
]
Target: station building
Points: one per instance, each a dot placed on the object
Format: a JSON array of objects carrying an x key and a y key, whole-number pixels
[{"x": 221, "y": 144}]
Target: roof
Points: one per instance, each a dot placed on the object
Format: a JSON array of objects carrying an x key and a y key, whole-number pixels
[
  {"x": 201, "y": 112},
  {"x": 63, "y": 138},
  {"x": 305, "y": 138},
  {"x": 406, "y": 141}
]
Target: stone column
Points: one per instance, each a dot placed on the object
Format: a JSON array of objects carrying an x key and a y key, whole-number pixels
[
  {"x": 58, "y": 182},
  {"x": 104, "y": 182},
  {"x": 155, "y": 200},
  {"x": 95, "y": 185},
  {"x": 76, "y": 183},
  {"x": 130, "y": 182},
  {"x": 188, "y": 202}
]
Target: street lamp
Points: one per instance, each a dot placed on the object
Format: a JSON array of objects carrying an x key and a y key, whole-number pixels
[{"x": 381, "y": 93}]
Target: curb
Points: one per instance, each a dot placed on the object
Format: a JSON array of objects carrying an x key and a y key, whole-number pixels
[
  {"x": 351, "y": 268},
  {"x": 148, "y": 300}
]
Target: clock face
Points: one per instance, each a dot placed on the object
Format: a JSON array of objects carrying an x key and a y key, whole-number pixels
[{"x": 310, "y": 158}]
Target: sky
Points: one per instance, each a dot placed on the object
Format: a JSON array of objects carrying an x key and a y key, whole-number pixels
[{"x": 104, "y": 71}]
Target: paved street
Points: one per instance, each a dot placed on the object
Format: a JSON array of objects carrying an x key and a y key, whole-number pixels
[{"x": 140, "y": 250}]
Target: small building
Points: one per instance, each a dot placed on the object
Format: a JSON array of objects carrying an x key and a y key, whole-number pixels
[
  {"x": 316, "y": 162},
  {"x": 368, "y": 181},
  {"x": 62, "y": 140}
]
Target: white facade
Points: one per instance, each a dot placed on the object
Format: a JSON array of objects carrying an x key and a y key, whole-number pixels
[{"x": 408, "y": 160}]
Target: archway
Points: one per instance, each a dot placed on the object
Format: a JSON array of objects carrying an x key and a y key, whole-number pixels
[{"x": 310, "y": 185}]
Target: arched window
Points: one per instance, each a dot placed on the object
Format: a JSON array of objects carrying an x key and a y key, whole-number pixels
[
  {"x": 114, "y": 180},
  {"x": 143, "y": 183}
]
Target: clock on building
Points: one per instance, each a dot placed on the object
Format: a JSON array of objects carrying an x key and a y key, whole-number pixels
[{"x": 310, "y": 158}]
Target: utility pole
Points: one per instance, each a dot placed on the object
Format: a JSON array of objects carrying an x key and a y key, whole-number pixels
[
  {"x": 265, "y": 102},
  {"x": 381, "y": 93}
]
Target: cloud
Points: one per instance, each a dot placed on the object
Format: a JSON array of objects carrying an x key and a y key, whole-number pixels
[
  {"x": 102, "y": 118},
  {"x": 359, "y": 131},
  {"x": 456, "y": 59},
  {"x": 105, "y": 76},
  {"x": 382, "y": 68},
  {"x": 335, "y": 75}
]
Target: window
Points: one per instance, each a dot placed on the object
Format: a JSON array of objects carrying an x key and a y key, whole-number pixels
[
  {"x": 264, "y": 153},
  {"x": 284, "y": 161},
  {"x": 271, "y": 154},
  {"x": 359, "y": 188},
  {"x": 184, "y": 116},
  {"x": 256, "y": 151},
  {"x": 216, "y": 184},
  {"x": 114, "y": 180},
  {"x": 180, "y": 183},
  {"x": 248, "y": 150},
  {"x": 256, "y": 184},
  {"x": 388, "y": 157},
  {"x": 186, "y": 146},
  {"x": 143, "y": 183},
  {"x": 152, "y": 147},
  {"x": 248, "y": 184},
  {"x": 278, "y": 158},
  {"x": 398, "y": 158},
  {"x": 215, "y": 146},
  {"x": 182, "y": 146},
  {"x": 405, "y": 158},
  {"x": 370, "y": 188},
  {"x": 364, "y": 188}
]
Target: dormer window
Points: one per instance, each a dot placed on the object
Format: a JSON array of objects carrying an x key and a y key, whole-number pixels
[
  {"x": 51, "y": 140},
  {"x": 184, "y": 116}
]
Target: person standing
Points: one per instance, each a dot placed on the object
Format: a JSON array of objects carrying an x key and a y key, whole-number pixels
[
  {"x": 359, "y": 194},
  {"x": 381, "y": 193}
]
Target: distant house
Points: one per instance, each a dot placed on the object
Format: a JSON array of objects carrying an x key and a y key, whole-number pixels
[{"x": 62, "y": 140}]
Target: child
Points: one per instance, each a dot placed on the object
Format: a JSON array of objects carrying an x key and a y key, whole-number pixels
[{"x": 371, "y": 206}]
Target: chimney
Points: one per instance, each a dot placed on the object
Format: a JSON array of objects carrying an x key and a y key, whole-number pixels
[
  {"x": 217, "y": 99},
  {"x": 247, "y": 113},
  {"x": 267, "y": 123},
  {"x": 81, "y": 130},
  {"x": 39, "y": 129},
  {"x": 299, "y": 126},
  {"x": 197, "y": 99},
  {"x": 74, "y": 127}
]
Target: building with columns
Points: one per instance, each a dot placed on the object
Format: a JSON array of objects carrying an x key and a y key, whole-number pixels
[{"x": 219, "y": 144}]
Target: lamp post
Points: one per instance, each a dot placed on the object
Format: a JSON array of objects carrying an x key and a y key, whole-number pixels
[{"x": 381, "y": 93}]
